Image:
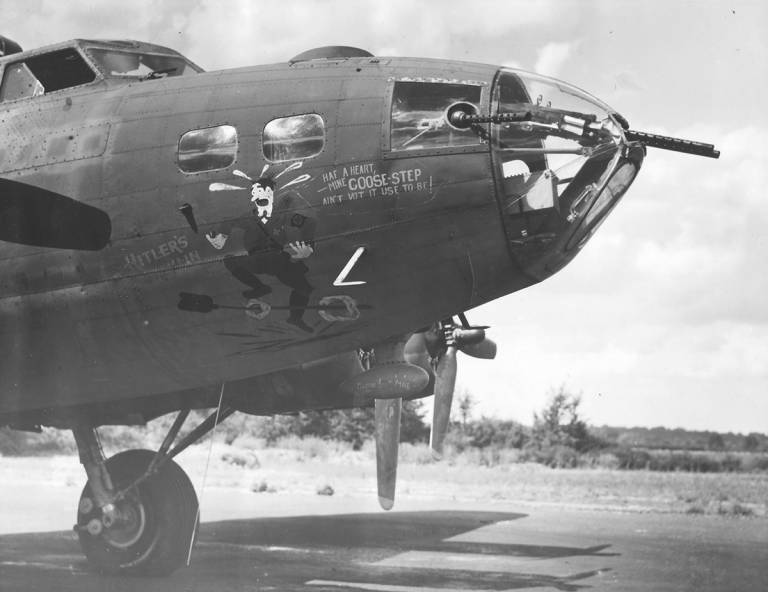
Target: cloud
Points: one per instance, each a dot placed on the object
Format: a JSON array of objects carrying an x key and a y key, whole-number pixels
[
  {"x": 628, "y": 81},
  {"x": 623, "y": 83},
  {"x": 552, "y": 57},
  {"x": 688, "y": 238},
  {"x": 44, "y": 22},
  {"x": 277, "y": 30},
  {"x": 678, "y": 259},
  {"x": 242, "y": 32},
  {"x": 483, "y": 18}
]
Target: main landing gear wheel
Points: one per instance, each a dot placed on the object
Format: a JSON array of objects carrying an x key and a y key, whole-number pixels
[{"x": 152, "y": 526}]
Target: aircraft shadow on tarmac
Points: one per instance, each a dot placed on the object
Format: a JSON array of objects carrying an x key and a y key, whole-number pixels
[
  {"x": 411, "y": 531},
  {"x": 376, "y": 537},
  {"x": 331, "y": 552}
]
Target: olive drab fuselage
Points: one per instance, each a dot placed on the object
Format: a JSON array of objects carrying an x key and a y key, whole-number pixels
[{"x": 139, "y": 269}]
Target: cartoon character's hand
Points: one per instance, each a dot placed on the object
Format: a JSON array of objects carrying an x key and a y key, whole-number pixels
[
  {"x": 217, "y": 240},
  {"x": 299, "y": 250}
]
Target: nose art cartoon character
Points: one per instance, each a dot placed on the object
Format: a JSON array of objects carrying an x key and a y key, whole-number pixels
[
  {"x": 278, "y": 237},
  {"x": 263, "y": 196}
]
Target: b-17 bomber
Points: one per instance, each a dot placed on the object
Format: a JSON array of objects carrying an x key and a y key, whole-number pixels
[{"x": 305, "y": 235}]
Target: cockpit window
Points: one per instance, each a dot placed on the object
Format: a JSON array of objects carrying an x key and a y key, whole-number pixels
[
  {"x": 45, "y": 73},
  {"x": 126, "y": 64},
  {"x": 19, "y": 82},
  {"x": 419, "y": 115}
]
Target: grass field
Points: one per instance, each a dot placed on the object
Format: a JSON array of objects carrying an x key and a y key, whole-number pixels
[{"x": 310, "y": 466}]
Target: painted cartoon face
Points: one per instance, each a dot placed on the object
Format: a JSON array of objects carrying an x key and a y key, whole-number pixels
[{"x": 263, "y": 198}]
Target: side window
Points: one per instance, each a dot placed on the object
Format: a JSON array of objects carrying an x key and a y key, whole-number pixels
[
  {"x": 44, "y": 74},
  {"x": 124, "y": 64},
  {"x": 419, "y": 115},
  {"x": 295, "y": 137},
  {"x": 207, "y": 149},
  {"x": 18, "y": 82}
]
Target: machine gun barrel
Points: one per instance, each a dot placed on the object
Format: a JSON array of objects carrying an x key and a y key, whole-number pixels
[{"x": 676, "y": 144}]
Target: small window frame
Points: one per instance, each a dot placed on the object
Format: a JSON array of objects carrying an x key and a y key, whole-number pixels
[
  {"x": 202, "y": 153},
  {"x": 288, "y": 141},
  {"x": 479, "y": 102}
]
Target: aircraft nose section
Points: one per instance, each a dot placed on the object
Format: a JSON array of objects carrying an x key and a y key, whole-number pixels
[{"x": 562, "y": 163}]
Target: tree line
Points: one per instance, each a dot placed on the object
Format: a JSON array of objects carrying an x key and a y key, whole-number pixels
[{"x": 558, "y": 437}]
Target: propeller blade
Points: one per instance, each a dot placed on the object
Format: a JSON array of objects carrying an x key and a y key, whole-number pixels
[
  {"x": 445, "y": 382},
  {"x": 387, "y": 416},
  {"x": 484, "y": 350}
]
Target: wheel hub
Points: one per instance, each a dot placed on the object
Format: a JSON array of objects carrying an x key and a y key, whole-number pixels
[
  {"x": 130, "y": 520},
  {"x": 120, "y": 525}
]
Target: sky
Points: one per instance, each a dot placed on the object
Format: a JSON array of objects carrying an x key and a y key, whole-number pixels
[{"x": 662, "y": 319}]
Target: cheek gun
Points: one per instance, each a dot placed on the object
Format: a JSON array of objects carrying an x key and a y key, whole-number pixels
[{"x": 676, "y": 144}]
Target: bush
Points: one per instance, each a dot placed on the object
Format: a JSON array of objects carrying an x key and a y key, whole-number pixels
[
  {"x": 561, "y": 425},
  {"x": 419, "y": 454},
  {"x": 633, "y": 459},
  {"x": 493, "y": 432},
  {"x": 754, "y": 462},
  {"x": 48, "y": 442},
  {"x": 11, "y": 442},
  {"x": 559, "y": 435},
  {"x": 241, "y": 459},
  {"x": 606, "y": 460},
  {"x": 354, "y": 426},
  {"x": 689, "y": 461},
  {"x": 558, "y": 456}
]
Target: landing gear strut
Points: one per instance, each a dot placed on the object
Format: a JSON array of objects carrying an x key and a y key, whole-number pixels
[{"x": 138, "y": 513}]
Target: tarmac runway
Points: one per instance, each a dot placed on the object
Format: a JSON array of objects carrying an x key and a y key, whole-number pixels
[{"x": 336, "y": 544}]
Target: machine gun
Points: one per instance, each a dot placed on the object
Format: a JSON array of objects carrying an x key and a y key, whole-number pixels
[
  {"x": 583, "y": 128},
  {"x": 676, "y": 144}
]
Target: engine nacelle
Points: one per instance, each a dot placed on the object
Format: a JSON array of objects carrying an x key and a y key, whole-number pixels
[{"x": 388, "y": 381}]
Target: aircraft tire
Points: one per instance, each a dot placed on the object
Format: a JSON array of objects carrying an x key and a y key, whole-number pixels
[{"x": 160, "y": 521}]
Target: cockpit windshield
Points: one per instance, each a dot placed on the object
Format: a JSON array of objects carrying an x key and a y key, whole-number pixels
[{"x": 140, "y": 66}]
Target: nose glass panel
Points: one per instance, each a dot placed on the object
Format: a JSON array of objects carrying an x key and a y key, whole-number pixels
[
  {"x": 554, "y": 147},
  {"x": 621, "y": 178},
  {"x": 557, "y": 129}
]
